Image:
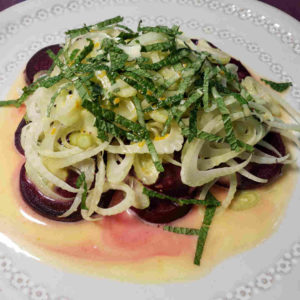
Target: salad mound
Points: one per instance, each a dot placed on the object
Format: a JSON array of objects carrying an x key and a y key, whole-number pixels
[{"x": 148, "y": 121}]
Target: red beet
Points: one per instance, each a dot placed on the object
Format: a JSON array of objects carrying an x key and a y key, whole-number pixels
[
  {"x": 71, "y": 180},
  {"x": 265, "y": 171},
  {"x": 18, "y": 136},
  {"x": 43, "y": 205},
  {"x": 162, "y": 211},
  {"x": 169, "y": 182},
  {"x": 195, "y": 41},
  {"x": 165, "y": 211},
  {"x": 40, "y": 61},
  {"x": 242, "y": 71},
  {"x": 110, "y": 198}
]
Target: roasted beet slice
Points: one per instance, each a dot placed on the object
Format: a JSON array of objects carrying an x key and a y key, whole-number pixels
[
  {"x": 110, "y": 198},
  {"x": 165, "y": 211},
  {"x": 39, "y": 62},
  {"x": 18, "y": 136},
  {"x": 265, "y": 171},
  {"x": 195, "y": 41},
  {"x": 162, "y": 211},
  {"x": 159, "y": 212},
  {"x": 71, "y": 180},
  {"x": 169, "y": 182},
  {"x": 242, "y": 71},
  {"x": 43, "y": 205}
]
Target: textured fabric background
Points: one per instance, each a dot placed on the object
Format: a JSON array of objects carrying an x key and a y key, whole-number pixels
[{"x": 291, "y": 7}]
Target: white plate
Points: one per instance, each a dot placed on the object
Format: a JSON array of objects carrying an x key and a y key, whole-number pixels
[{"x": 261, "y": 36}]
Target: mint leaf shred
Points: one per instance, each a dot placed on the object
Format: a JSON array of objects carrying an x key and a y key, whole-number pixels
[
  {"x": 118, "y": 60},
  {"x": 140, "y": 72},
  {"x": 181, "y": 109},
  {"x": 44, "y": 81},
  {"x": 9, "y": 103},
  {"x": 210, "y": 201},
  {"x": 139, "y": 111},
  {"x": 53, "y": 64},
  {"x": 170, "y": 60},
  {"x": 81, "y": 181},
  {"x": 55, "y": 59},
  {"x": 149, "y": 143},
  {"x": 99, "y": 26},
  {"x": 206, "y": 89},
  {"x": 82, "y": 91},
  {"x": 167, "y": 103},
  {"x": 84, "y": 52},
  {"x": 164, "y": 46},
  {"x": 278, "y": 87},
  {"x": 240, "y": 99},
  {"x": 74, "y": 54},
  {"x": 230, "y": 136},
  {"x": 107, "y": 121},
  {"x": 126, "y": 28},
  {"x": 135, "y": 84},
  {"x": 193, "y": 123},
  {"x": 174, "y": 31},
  {"x": 203, "y": 232},
  {"x": 182, "y": 230},
  {"x": 167, "y": 124},
  {"x": 147, "y": 83},
  {"x": 203, "y": 135},
  {"x": 123, "y": 36},
  {"x": 247, "y": 147}
]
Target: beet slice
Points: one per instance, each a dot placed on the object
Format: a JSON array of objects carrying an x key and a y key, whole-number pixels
[
  {"x": 43, "y": 205},
  {"x": 40, "y": 61},
  {"x": 165, "y": 211},
  {"x": 195, "y": 41},
  {"x": 169, "y": 182},
  {"x": 159, "y": 212},
  {"x": 18, "y": 136},
  {"x": 71, "y": 180},
  {"x": 110, "y": 198},
  {"x": 242, "y": 71},
  {"x": 265, "y": 171},
  {"x": 162, "y": 211}
]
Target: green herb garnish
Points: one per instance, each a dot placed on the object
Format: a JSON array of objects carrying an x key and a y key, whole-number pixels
[
  {"x": 161, "y": 29},
  {"x": 170, "y": 45},
  {"x": 99, "y": 26},
  {"x": 211, "y": 205},
  {"x": 170, "y": 60},
  {"x": 81, "y": 181},
  {"x": 278, "y": 87},
  {"x": 202, "y": 235},
  {"x": 182, "y": 230},
  {"x": 150, "y": 145},
  {"x": 209, "y": 201}
]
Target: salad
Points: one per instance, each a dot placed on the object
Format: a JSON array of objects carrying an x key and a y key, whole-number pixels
[{"x": 147, "y": 121}]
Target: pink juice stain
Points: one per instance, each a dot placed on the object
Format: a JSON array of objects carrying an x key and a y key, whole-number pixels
[{"x": 126, "y": 238}]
